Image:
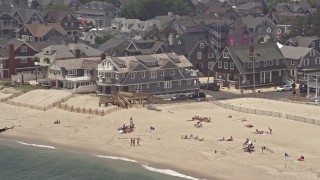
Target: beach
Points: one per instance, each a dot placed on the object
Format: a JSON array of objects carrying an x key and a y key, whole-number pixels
[{"x": 163, "y": 147}]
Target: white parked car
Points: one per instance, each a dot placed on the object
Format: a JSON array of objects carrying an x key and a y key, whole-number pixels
[
  {"x": 314, "y": 102},
  {"x": 284, "y": 88}
]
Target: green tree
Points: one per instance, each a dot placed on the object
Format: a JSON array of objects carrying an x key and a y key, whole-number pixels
[
  {"x": 101, "y": 39},
  {"x": 58, "y": 6}
]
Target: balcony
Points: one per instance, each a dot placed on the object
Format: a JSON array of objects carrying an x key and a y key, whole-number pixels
[
  {"x": 104, "y": 80},
  {"x": 78, "y": 78}
]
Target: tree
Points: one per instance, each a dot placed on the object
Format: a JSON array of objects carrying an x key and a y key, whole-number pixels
[
  {"x": 101, "y": 39},
  {"x": 58, "y": 6}
]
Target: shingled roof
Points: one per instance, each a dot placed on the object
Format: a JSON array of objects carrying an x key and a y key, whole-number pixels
[
  {"x": 39, "y": 30},
  {"x": 79, "y": 63}
]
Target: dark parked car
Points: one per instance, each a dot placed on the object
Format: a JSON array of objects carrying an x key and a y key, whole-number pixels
[
  {"x": 211, "y": 87},
  {"x": 179, "y": 97},
  {"x": 199, "y": 96}
]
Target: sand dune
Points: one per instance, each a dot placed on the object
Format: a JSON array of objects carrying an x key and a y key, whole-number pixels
[{"x": 164, "y": 147}]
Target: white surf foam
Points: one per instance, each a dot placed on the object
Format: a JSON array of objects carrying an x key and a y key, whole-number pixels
[
  {"x": 116, "y": 158},
  {"x": 169, "y": 172},
  {"x": 36, "y": 145}
]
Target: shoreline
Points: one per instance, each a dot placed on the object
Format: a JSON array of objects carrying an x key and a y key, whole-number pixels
[{"x": 104, "y": 154}]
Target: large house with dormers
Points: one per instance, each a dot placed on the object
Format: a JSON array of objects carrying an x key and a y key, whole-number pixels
[{"x": 152, "y": 74}]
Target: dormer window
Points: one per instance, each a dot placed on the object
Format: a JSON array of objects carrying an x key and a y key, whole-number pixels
[
  {"x": 47, "y": 52},
  {"x": 69, "y": 17},
  {"x": 24, "y": 29},
  {"x": 201, "y": 45},
  {"x": 74, "y": 2},
  {"x": 312, "y": 53},
  {"x": 23, "y": 48}
]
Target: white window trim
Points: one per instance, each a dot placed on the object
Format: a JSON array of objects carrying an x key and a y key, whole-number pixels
[
  {"x": 133, "y": 75},
  {"x": 23, "y": 60},
  {"x": 266, "y": 63},
  {"x": 162, "y": 72},
  {"x": 24, "y": 49},
  {"x": 138, "y": 87},
  {"x": 210, "y": 55},
  {"x": 250, "y": 65},
  {"x": 271, "y": 63},
  {"x": 147, "y": 85},
  {"x": 173, "y": 71},
  {"x": 317, "y": 60},
  {"x": 143, "y": 74},
  {"x": 225, "y": 55},
  {"x": 292, "y": 62},
  {"x": 226, "y": 65},
  {"x": 277, "y": 62},
  {"x": 72, "y": 72},
  {"x": 87, "y": 72},
  {"x": 153, "y": 74},
  {"x": 306, "y": 62},
  {"x": 188, "y": 81},
  {"x": 179, "y": 83},
  {"x": 201, "y": 45},
  {"x": 231, "y": 65},
  {"x": 219, "y": 64},
  {"x": 167, "y": 84},
  {"x": 256, "y": 64},
  {"x": 199, "y": 55}
]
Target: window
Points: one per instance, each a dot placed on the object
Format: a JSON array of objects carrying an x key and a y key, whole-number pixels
[
  {"x": 138, "y": 87},
  {"x": 188, "y": 81},
  {"x": 167, "y": 84},
  {"x": 24, "y": 60},
  {"x": 162, "y": 72},
  {"x": 91, "y": 37},
  {"x": 66, "y": 25},
  {"x": 74, "y": 2},
  {"x": 199, "y": 55},
  {"x": 117, "y": 76},
  {"x": 172, "y": 71},
  {"x": 277, "y": 62},
  {"x": 153, "y": 74},
  {"x": 23, "y": 48},
  {"x": 317, "y": 60},
  {"x": 69, "y": 17},
  {"x": 87, "y": 72},
  {"x": 306, "y": 62},
  {"x": 31, "y": 39},
  {"x": 225, "y": 65},
  {"x": 179, "y": 83},
  {"x": 93, "y": 6},
  {"x": 143, "y": 74},
  {"x": 219, "y": 64},
  {"x": 313, "y": 44},
  {"x": 279, "y": 72},
  {"x": 225, "y": 55},
  {"x": 133, "y": 75},
  {"x": 249, "y": 65},
  {"x": 123, "y": 75},
  {"x": 292, "y": 62},
  {"x": 257, "y": 64},
  {"x": 195, "y": 82},
  {"x": 231, "y": 65},
  {"x": 72, "y": 72},
  {"x": 312, "y": 53},
  {"x": 147, "y": 85},
  {"x": 158, "y": 84},
  {"x": 210, "y": 55},
  {"x": 72, "y": 25},
  {"x": 266, "y": 64},
  {"x": 271, "y": 63},
  {"x": 201, "y": 45}
]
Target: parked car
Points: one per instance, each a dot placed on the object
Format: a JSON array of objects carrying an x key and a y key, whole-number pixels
[
  {"x": 179, "y": 97},
  {"x": 211, "y": 87},
  {"x": 284, "y": 88},
  {"x": 314, "y": 102},
  {"x": 199, "y": 96},
  {"x": 304, "y": 88}
]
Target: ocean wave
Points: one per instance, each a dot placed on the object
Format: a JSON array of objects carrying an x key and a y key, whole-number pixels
[
  {"x": 36, "y": 145},
  {"x": 116, "y": 158},
  {"x": 169, "y": 172}
]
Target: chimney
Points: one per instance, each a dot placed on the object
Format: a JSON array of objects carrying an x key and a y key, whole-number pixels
[
  {"x": 77, "y": 53},
  {"x": 102, "y": 56},
  {"x": 11, "y": 60}
]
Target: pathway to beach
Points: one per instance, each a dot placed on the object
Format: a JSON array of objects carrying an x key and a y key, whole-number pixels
[{"x": 163, "y": 146}]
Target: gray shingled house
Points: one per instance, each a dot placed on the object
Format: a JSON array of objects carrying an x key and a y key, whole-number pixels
[
  {"x": 153, "y": 74},
  {"x": 234, "y": 68}
]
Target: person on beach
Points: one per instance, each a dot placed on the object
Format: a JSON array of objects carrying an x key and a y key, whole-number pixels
[
  {"x": 138, "y": 140},
  {"x": 131, "y": 121},
  {"x": 131, "y": 142},
  {"x": 270, "y": 130},
  {"x": 134, "y": 141},
  {"x": 230, "y": 139},
  {"x": 221, "y": 139}
]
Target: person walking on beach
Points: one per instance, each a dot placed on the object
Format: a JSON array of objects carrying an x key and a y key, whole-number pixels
[
  {"x": 270, "y": 130},
  {"x": 131, "y": 142},
  {"x": 138, "y": 140},
  {"x": 131, "y": 121},
  {"x": 134, "y": 141}
]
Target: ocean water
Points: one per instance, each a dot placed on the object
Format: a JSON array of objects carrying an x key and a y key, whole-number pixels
[{"x": 22, "y": 161}]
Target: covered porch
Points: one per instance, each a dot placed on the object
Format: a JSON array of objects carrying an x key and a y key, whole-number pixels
[{"x": 313, "y": 82}]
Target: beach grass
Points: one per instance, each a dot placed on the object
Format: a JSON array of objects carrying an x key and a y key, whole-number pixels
[{"x": 27, "y": 87}]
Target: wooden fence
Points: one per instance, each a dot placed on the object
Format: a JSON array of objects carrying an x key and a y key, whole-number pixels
[{"x": 84, "y": 110}]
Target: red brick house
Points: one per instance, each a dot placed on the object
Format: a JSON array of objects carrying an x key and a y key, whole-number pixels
[{"x": 17, "y": 57}]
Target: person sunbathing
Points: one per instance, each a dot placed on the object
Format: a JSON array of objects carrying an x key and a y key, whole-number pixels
[
  {"x": 249, "y": 126},
  {"x": 230, "y": 139},
  {"x": 221, "y": 139},
  {"x": 246, "y": 142},
  {"x": 301, "y": 158}
]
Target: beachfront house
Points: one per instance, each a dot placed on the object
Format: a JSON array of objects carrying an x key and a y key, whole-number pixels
[
  {"x": 234, "y": 67},
  {"x": 8, "y": 25},
  {"x": 153, "y": 74},
  {"x": 76, "y": 74}
]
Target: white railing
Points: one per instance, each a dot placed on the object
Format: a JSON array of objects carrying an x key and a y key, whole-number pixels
[{"x": 78, "y": 78}]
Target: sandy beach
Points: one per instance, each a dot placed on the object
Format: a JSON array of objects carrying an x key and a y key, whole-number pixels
[{"x": 164, "y": 148}]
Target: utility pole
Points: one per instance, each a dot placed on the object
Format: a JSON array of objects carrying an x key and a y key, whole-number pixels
[{"x": 251, "y": 56}]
